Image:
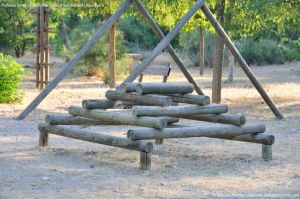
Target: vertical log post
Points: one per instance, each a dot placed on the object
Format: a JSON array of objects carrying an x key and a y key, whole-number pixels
[
  {"x": 42, "y": 48},
  {"x": 38, "y": 66},
  {"x": 47, "y": 47},
  {"x": 267, "y": 152},
  {"x": 112, "y": 56},
  {"x": 201, "y": 51},
  {"x": 43, "y": 139},
  {"x": 145, "y": 161}
]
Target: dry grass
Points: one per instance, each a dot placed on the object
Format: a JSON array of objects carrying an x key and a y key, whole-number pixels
[{"x": 182, "y": 168}]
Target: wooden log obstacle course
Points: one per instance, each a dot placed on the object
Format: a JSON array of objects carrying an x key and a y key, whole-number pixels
[
  {"x": 158, "y": 108},
  {"x": 42, "y": 47},
  {"x": 164, "y": 44}
]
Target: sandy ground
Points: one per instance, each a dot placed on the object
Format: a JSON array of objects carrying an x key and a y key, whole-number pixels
[{"x": 181, "y": 168}]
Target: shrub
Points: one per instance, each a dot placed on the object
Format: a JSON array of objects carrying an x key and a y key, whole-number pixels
[
  {"x": 189, "y": 42},
  {"x": 263, "y": 51},
  {"x": 95, "y": 62},
  {"x": 10, "y": 78}
]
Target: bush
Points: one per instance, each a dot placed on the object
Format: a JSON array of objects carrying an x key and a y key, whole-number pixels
[
  {"x": 189, "y": 42},
  {"x": 95, "y": 62},
  {"x": 263, "y": 51},
  {"x": 10, "y": 78}
]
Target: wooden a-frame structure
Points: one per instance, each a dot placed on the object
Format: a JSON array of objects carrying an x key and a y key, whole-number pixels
[{"x": 163, "y": 44}]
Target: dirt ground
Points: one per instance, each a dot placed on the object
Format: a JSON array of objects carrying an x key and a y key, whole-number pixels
[{"x": 181, "y": 168}]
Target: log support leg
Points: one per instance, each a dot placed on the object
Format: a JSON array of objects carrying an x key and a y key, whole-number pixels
[
  {"x": 145, "y": 161},
  {"x": 43, "y": 139},
  {"x": 267, "y": 152},
  {"x": 159, "y": 141}
]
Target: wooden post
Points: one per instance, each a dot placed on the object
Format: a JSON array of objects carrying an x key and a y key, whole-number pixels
[
  {"x": 267, "y": 152},
  {"x": 42, "y": 48},
  {"x": 145, "y": 161},
  {"x": 163, "y": 43},
  {"x": 201, "y": 51},
  {"x": 65, "y": 70},
  {"x": 241, "y": 61},
  {"x": 112, "y": 55},
  {"x": 43, "y": 139},
  {"x": 172, "y": 52},
  {"x": 38, "y": 65},
  {"x": 47, "y": 47}
]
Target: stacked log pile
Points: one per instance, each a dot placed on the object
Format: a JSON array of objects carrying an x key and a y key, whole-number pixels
[{"x": 157, "y": 107}]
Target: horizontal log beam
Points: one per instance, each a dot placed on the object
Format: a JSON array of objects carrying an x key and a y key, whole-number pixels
[
  {"x": 119, "y": 117},
  {"x": 253, "y": 138},
  {"x": 177, "y": 111},
  {"x": 191, "y": 99},
  {"x": 165, "y": 88},
  {"x": 85, "y": 135},
  {"x": 71, "y": 120},
  {"x": 224, "y": 118},
  {"x": 139, "y": 99},
  {"x": 129, "y": 87},
  {"x": 98, "y": 104},
  {"x": 202, "y": 131}
]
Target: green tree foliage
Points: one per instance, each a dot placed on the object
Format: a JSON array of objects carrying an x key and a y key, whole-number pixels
[
  {"x": 10, "y": 78},
  {"x": 16, "y": 24}
]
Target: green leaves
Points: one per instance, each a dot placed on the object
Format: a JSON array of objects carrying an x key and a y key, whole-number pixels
[{"x": 10, "y": 78}]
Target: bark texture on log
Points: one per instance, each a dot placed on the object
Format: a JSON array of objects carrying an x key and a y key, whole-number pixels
[
  {"x": 119, "y": 117},
  {"x": 191, "y": 99},
  {"x": 129, "y": 87},
  {"x": 186, "y": 132},
  {"x": 139, "y": 99},
  {"x": 98, "y": 104},
  {"x": 145, "y": 161},
  {"x": 71, "y": 120},
  {"x": 85, "y": 135},
  {"x": 254, "y": 138},
  {"x": 177, "y": 111},
  {"x": 224, "y": 118},
  {"x": 267, "y": 152},
  {"x": 43, "y": 139},
  {"x": 165, "y": 88}
]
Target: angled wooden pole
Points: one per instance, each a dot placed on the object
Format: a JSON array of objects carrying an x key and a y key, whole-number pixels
[
  {"x": 65, "y": 70},
  {"x": 241, "y": 61},
  {"x": 163, "y": 43},
  {"x": 171, "y": 50}
]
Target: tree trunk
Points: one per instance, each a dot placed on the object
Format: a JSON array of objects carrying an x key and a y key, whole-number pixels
[
  {"x": 231, "y": 64},
  {"x": 64, "y": 32},
  {"x": 112, "y": 55},
  {"x": 217, "y": 64},
  {"x": 201, "y": 52}
]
